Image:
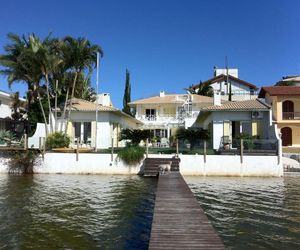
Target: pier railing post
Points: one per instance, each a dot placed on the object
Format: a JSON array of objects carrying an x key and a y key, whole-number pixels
[
  {"x": 177, "y": 148},
  {"x": 242, "y": 150},
  {"x": 25, "y": 142},
  {"x": 43, "y": 147},
  {"x": 204, "y": 151},
  {"x": 147, "y": 147},
  {"x": 112, "y": 150},
  {"x": 77, "y": 150}
]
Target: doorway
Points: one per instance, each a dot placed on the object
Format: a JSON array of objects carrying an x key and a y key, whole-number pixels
[{"x": 286, "y": 136}]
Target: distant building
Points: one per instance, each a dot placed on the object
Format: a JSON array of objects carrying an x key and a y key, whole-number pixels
[
  {"x": 226, "y": 122},
  {"x": 240, "y": 89},
  {"x": 165, "y": 113},
  {"x": 5, "y": 110},
  {"x": 289, "y": 81},
  {"x": 285, "y": 102},
  {"x": 83, "y": 125}
]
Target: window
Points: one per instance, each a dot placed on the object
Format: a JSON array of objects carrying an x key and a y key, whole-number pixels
[
  {"x": 77, "y": 128},
  {"x": 150, "y": 113}
]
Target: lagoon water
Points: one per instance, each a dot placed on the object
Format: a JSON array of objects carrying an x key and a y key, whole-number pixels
[
  {"x": 115, "y": 212},
  {"x": 75, "y": 212},
  {"x": 252, "y": 213}
]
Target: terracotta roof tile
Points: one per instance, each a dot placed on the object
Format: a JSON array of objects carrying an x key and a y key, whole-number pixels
[
  {"x": 180, "y": 98},
  {"x": 222, "y": 77},
  {"x": 279, "y": 90},
  {"x": 248, "y": 105}
]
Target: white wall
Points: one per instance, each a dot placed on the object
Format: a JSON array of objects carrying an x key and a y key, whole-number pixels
[
  {"x": 216, "y": 165},
  {"x": 5, "y": 110}
]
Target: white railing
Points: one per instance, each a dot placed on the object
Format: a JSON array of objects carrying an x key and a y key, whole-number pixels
[{"x": 168, "y": 117}]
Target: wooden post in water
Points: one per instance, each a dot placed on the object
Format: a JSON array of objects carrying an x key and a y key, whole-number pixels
[
  {"x": 147, "y": 147},
  {"x": 77, "y": 150},
  {"x": 204, "y": 151},
  {"x": 44, "y": 147},
  {"x": 177, "y": 148},
  {"x": 25, "y": 142},
  {"x": 242, "y": 150},
  {"x": 112, "y": 150}
]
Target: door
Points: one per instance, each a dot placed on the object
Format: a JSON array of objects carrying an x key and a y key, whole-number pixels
[
  {"x": 287, "y": 110},
  {"x": 286, "y": 136}
]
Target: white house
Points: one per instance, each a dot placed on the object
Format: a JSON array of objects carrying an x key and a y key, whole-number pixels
[
  {"x": 229, "y": 120},
  {"x": 240, "y": 89},
  {"x": 5, "y": 110},
  {"x": 90, "y": 131},
  {"x": 164, "y": 113}
]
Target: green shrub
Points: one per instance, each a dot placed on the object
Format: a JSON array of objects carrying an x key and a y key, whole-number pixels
[
  {"x": 6, "y": 136},
  {"x": 57, "y": 140},
  {"x": 22, "y": 161},
  {"x": 131, "y": 155}
]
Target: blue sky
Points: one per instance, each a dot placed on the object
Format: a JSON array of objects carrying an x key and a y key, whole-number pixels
[{"x": 168, "y": 44}]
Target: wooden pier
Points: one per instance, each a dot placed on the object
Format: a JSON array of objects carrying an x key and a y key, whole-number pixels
[{"x": 179, "y": 222}]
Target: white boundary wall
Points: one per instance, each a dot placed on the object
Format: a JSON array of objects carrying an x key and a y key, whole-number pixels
[{"x": 216, "y": 165}]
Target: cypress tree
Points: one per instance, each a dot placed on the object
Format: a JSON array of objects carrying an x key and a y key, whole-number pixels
[{"x": 127, "y": 94}]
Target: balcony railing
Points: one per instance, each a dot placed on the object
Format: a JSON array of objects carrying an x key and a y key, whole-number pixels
[
  {"x": 291, "y": 115},
  {"x": 166, "y": 117}
]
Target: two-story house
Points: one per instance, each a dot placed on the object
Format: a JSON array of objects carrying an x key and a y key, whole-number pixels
[
  {"x": 222, "y": 82},
  {"x": 163, "y": 114},
  {"x": 285, "y": 102}
]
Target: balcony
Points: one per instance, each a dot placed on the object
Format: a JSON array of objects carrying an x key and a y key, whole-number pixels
[{"x": 290, "y": 115}]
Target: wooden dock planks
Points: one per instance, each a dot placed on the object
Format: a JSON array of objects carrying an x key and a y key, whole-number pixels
[{"x": 179, "y": 222}]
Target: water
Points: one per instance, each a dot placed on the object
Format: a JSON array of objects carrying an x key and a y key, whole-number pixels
[
  {"x": 75, "y": 212},
  {"x": 115, "y": 212},
  {"x": 252, "y": 213}
]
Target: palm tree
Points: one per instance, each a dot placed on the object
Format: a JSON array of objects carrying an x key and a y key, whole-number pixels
[
  {"x": 48, "y": 61},
  {"x": 135, "y": 135},
  {"x": 192, "y": 135},
  {"x": 205, "y": 89},
  {"x": 79, "y": 55},
  {"x": 19, "y": 66}
]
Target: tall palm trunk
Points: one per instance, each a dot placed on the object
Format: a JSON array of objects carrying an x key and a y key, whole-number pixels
[
  {"x": 44, "y": 115},
  {"x": 70, "y": 104},
  {"x": 49, "y": 104},
  {"x": 55, "y": 106},
  {"x": 65, "y": 108}
]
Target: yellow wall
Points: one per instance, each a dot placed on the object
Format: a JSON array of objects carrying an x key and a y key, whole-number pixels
[
  {"x": 93, "y": 133},
  {"x": 257, "y": 128},
  {"x": 226, "y": 128},
  {"x": 70, "y": 130}
]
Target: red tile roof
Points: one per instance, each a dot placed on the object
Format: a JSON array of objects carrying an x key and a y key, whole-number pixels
[
  {"x": 279, "y": 90},
  {"x": 223, "y": 77}
]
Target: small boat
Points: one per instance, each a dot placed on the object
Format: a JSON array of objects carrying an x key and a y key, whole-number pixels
[{"x": 73, "y": 150}]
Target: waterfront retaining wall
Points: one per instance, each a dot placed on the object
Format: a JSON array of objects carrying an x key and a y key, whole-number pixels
[{"x": 216, "y": 165}]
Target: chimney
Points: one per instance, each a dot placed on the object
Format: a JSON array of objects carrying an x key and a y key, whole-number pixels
[
  {"x": 162, "y": 93},
  {"x": 104, "y": 99},
  {"x": 217, "y": 98}
]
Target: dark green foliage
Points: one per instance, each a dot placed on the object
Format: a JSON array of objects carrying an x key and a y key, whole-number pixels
[
  {"x": 192, "y": 135},
  {"x": 57, "y": 140},
  {"x": 22, "y": 161},
  {"x": 230, "y": 92},
  {"x": 248, "y": 141},
  {"x": 132, "y": 155},
  {"x": 127, "y": 94},
  {"x": 135, "y": 136},
  {"x": 6, "y": 136},
  {"x": 203, "y": 89}
]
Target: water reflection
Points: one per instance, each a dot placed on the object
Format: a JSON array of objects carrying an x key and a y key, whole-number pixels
[
  {"x": 251, "y": 213},
  {"x": 75, "y": 212}
]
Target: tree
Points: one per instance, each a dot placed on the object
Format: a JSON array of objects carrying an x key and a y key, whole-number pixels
[
  {"x": 135, "y": 135},
  {"x": 205, "y": 89},
  {"x": 192, "y": 135},
  {"x": 16, "y": 104},
  {"x": 230, "y": 92},
  {"x": 79, "y": 55},
  {"x": 127, "y": 95},
  {"x": 20, "y": 65}
]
